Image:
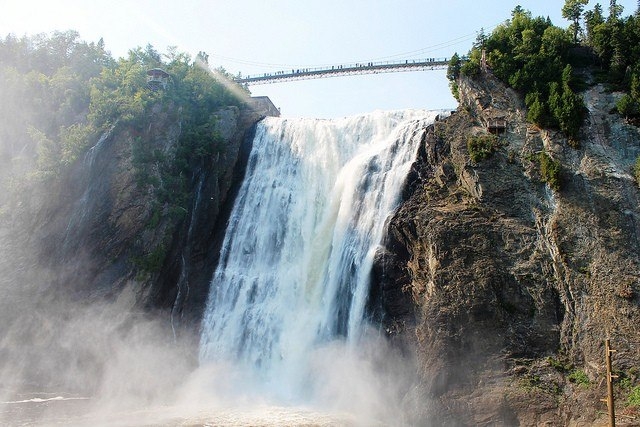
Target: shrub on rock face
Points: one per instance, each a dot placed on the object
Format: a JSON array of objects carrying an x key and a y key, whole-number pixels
[
  {"x": 481, "y": 147},
  {"x": 453, "y": 73},
  {"x": 580, "y": 378},
  {"x": 634, "y": 397},
  {"x": 549, "y": 170},
  {"x": 636, "y": 170},
  {"x": 470, "y": 68},
  {"x": 627, "y": 106}
]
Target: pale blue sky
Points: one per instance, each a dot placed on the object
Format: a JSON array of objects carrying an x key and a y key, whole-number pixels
[{"x": 257, "y": 36}]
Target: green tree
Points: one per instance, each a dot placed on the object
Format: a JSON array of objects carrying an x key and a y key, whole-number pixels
[
  {"x": 537, "y": 112},
  {"x": 615, "y": 11},
  {"x": 453, "y": 73},
  {"x": 555, "y": 43},
  {"x": 572, "y": 11},
  {"x": 571, "y": 116},
  {"x": 48, "y": 152},
  {"x": 453, "y": 69},
  {"x": 592, "y": 19},
  {"x": 627, "y": 106},
  {"x": 550, "y": 170},
  {"x": 555, "y": 103}
]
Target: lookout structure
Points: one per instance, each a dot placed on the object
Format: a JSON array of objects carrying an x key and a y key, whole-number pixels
[
  {"x": 157, "y": 79},
  {"x": 263, "y": 105},
  {"x": 497, "y": 125}
]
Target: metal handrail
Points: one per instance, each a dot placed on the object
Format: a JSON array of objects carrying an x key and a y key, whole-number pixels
[{"x": 343, "y": 69}]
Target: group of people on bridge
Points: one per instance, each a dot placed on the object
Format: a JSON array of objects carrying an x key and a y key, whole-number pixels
[{"x": 347, "y": 67}]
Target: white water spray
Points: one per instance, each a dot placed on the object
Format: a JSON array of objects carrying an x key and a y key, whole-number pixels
[{"x": 294, "y": 269}]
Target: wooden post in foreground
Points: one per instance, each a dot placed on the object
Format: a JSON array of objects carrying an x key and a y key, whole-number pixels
[{"x": 610, "y": 377}]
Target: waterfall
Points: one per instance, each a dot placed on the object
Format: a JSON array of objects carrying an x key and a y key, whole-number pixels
[{"x": 295, "y": 263}]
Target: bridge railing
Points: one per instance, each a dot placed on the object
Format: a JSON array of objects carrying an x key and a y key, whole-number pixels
[{"x": 345, "y": 68}]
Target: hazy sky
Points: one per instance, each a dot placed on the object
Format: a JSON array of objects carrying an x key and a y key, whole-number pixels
[{"x": 257, "y": 36}]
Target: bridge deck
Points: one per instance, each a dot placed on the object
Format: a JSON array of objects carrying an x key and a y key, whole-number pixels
[{"x": 344, "y": 70}]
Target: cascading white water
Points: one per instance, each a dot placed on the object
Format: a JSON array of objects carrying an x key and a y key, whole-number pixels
[{"x": 295, "y": 263}]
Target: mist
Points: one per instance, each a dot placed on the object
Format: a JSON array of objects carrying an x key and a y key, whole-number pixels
[
  {"x": 75, "y": 354},
  {"x": 103, "y": 363}
]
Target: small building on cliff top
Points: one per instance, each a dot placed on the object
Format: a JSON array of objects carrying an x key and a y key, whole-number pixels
[{"x": 157, "y": 79}]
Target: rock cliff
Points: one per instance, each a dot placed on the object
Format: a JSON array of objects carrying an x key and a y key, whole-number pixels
[
  {"x": 96, "y": 233},
  {"x": 506, "y": 288}
]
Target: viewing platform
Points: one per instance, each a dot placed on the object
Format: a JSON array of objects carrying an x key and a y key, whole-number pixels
[
  {"x": 263, "y": 105},
  {"x": 346, "y": 70},
  {"x": 157, "y": 79}
]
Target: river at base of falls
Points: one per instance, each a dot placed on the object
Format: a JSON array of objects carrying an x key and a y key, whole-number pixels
[{"x": 79, "y": 413}]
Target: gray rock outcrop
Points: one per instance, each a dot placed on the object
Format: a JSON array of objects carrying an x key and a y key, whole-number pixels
[{"x": 503, "y": 286}]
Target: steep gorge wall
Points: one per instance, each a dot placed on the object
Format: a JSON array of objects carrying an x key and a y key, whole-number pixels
[
  {"x": 503, "y": 285},
  {"x": 91, "y": 234}
]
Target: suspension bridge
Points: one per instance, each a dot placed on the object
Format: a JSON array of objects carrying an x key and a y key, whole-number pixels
[{"x": 345, "y": 70}]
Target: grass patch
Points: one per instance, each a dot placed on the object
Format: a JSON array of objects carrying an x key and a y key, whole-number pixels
[
  {"x": 558, "y": 365},
  {"x": 634, "y": 397},
  {"x": 580, "y": 378}
]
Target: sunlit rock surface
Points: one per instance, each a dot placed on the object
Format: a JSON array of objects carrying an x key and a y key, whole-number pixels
[{"x": 503, "y": 286}]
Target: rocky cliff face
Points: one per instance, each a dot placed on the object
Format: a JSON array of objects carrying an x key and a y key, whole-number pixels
[
  {"x": 505, "y": 288},
  {"x": 97, "y": 232},
  {"x": 117, "y": 217}
]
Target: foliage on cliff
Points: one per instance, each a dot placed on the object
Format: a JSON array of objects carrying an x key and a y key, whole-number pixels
[
  {"x": 615, "y": 40},
  {"x": 539, "y": 59},
  {"x": 63, "y": 95},
  {"x": 533, "y": 56},
  {"x": 59, "y": 93}
]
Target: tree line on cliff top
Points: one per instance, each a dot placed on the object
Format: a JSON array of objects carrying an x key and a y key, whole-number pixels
[
  {"x": 540, "y": 60},
  {"x": 60, "y": 93}
]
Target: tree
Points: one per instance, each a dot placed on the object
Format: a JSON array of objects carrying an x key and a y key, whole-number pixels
[
  {"x": 453, "y": 72},
  {"x": 572, "y": 11},
  {"x": 629, "y": 104},
  {"x": 615, "y": 11},
  {"x": 517, "y": 11},
  {"x": 536, "y": 109},
  {"x": 555, "y": 42},
  {"x": 592, "y": 19},
  {"x": 481, "y": 39},
  {"x": 626, "y": 106},
  {"x": 555, "y": 103}
]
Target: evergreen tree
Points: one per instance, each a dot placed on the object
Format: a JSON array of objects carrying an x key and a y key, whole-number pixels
[
  {"x": 453, "y": 72},
  {"x": 593, "y": 19},
  {"x": 572, "y": 11},
  {"x": 615, "y": 11}
]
